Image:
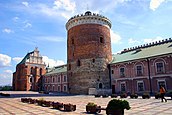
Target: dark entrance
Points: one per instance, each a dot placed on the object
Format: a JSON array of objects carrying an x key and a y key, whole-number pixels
[{"x": 113, "y": 89}]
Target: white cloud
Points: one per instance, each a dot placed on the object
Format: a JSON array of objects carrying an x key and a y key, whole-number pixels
[
  {"x": 25, "y": 4},
  {"x": 65, "y": 4},
  {"x": 5, "y": 60},
  {"x": 17, "y": 59},
  {"x": 132, "y": 41},
  {"x": 59, "y": 9},
  {"x": 52, "y": 62},
  {"x": 6, "y": 77},
  {"x": 115, "y": 38},
  {"x": 15, "y": 19},
  {"x": 51, "y": 38},
  {"x": 149, "y": 40},
  {"x": 8, "y": 71},
  {"x": 27, "y": 25},
  {"x": 49, "y": 12},
  {"x": 7, "y": 30},
  {"x": 154, "y": 4}
]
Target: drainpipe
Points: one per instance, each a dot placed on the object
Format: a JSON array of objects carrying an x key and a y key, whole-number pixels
[
  {"x": 150, "y": 83},
  {"x": 109, "y": 68}
]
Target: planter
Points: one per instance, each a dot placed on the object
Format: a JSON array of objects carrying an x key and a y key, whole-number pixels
[
  {"x": 93, "y": 109},
  {"x": 57, "y": 105},
  {"x": 134, "y": 96},
  {"x": 157, "y": 96},
  {"x": 124, "y": 95},
  {"x": 32, "y": 101},
  {"x": 40, "y": 102},
  {"x": 115, "y": 112},
  {"x": 114, "y": 96},
  {"x": 69, "y": 107},
  {"x": 104, "y": 96},
  {"x": 47, "y": 103},
  {"x": 97, "y": 95},
  {"x": 145, "y": 96},
  {"x": 117, "y": 106},
  {"x": 25, "y": 100}
]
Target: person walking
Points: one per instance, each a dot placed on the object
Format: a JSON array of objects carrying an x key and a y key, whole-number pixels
[{"x": 162, "y": 93}]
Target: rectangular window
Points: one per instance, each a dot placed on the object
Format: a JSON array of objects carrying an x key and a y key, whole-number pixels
[
  {"x": 58, "y": 79},
  {"x": 122, "y": 74},
  {"x": 64, "y": 88},
  {"x": 64, "y": 79},
  {"x": 160, "y": 67},
  {"x": 140, "y": 86},
  {"x": 58, "y": 88},
  {"x": 139, "y": 70},
  {"x": 161, "y": 83},
  {"x": 123, "y": 87}
]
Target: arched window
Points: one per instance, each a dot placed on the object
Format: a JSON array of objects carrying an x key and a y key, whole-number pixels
[
  {"x": 93, "y": 60},
  {"x": 101, "y": 40},
  {"x": 78, "y": 63},
  {"x": 100, "y": 85}
]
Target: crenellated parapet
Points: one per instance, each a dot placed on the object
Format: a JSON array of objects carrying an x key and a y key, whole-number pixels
[
  {"x": 88, "y": 18},
  {"x": 147, "y": 45}
]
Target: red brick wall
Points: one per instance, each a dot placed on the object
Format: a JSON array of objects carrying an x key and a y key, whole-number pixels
[
  {"x": 21, "y": 76},
  {"x": 84, "y": 44},
  {"x": 87, "y": 42}
]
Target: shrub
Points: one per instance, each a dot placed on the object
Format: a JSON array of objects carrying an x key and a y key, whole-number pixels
[{"x": 118, "y": 104}]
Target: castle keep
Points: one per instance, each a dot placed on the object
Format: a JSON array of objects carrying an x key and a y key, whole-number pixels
[{"x": 88, "y": 52}]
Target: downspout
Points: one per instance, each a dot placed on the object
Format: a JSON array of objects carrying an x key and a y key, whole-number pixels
[
  {"x": 109, "y": 68},
  {"x": 150, "y": 83}
]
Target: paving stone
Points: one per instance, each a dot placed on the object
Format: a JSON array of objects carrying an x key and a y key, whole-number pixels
[{"x": 139, "y": 106}]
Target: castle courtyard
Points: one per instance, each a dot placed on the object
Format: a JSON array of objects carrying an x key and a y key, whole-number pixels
[{"x": 13, "y": 106}]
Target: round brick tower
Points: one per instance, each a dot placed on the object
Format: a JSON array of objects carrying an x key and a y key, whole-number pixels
[{"x": 88, "y": 52}]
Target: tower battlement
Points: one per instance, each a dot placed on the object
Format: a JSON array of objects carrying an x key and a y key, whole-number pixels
[{"x": 88, "y": 18}]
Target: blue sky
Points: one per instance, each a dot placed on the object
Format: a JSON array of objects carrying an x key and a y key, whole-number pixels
[{"x": 26, "y": 24}]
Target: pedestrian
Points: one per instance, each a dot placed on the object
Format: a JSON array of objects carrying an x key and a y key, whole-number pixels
[{"x": 162, "y": 93}]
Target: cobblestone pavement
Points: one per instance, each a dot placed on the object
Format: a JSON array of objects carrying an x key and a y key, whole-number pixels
[{"x": 13, "y": 105}]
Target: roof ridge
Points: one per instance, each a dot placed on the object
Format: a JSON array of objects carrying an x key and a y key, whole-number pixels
[{"x": 160, "y": 42}]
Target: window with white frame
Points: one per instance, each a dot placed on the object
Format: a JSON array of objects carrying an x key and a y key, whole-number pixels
[
  {"x": 159, "y": 67},
  {"x": 53, "y": 79},
  {"x": 64, "y": 79},
  {"x": 123, "y": 87},
  {"x": 53, "y": 88},
  {"x": 58, "y": 79},
  {"x": 139, "y": 70},
  {"x": 64, "y": 88},
  {"x": 122, "y": 71},
  {"x": 161, "y": 83},
  {"x": 140, "y": 86},
  {"x": 58, "y": 88}
]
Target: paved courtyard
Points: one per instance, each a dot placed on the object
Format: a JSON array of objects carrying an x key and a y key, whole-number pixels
[{"x": 13, "y": 105}]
